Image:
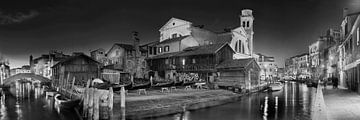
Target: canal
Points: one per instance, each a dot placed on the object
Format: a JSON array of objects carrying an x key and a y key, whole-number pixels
[
  {"x": 293, "y": 102},
  {"x": 33, "y": 107}
]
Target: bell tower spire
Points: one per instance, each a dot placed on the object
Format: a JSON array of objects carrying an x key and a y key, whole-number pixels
[{"x": 247, "y": 22}]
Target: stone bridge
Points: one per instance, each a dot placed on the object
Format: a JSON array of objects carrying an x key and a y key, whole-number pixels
[{"x": 25, "y": 76}]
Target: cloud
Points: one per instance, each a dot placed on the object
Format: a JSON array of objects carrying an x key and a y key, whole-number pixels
[{"x": 17, "y": 17}]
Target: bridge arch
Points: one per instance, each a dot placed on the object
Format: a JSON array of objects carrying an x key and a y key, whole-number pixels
[{"x": 26, "y": 76}]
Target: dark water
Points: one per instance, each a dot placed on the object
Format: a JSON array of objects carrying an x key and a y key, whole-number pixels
[
  {"x": 291, "y": 103},
  {"x": 37, "y": 107}
]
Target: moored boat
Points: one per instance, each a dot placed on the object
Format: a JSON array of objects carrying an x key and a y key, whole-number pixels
[
  {"x": 140, "y": 86},
  {"x": 166, "y": 84},
  {"x": 179, "y": 83},
  {"x": 188, "y": 83},
  {"x": 276, "y": 86},
  {"x": 117, "y": 87},
  {"x": 63, "y": 103}
]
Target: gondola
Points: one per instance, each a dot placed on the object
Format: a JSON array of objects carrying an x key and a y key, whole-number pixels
[
  {"x": 65, "y": 104},
  {"x": 167, "y": 84},
  {"x": 117, "y": 87},
  {"x": 188, "y": 83},
  {"x": 140, "y": 86},
  {"x": 179, "y": 83}
]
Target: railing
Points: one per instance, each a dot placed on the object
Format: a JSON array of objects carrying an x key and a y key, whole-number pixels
[{"x": 195, "y": 67}]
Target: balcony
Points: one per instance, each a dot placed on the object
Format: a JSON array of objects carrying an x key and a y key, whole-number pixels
[{"x": 196, "y": 67}]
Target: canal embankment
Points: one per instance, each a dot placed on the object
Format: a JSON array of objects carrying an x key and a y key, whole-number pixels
[
  {"x": 156, "y": 103},
  {"x": 342, "y": 104}
]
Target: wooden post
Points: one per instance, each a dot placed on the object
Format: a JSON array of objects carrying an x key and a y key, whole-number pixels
[
  {"x": 151, "y": 81},
  {"x": 91, "y": 104},
  {"x": 72, "y": 87},
  {"x": 122, "y": 103},
  {"x": 111, "y": 103},
  {"x": 86, "y": 99},
  {"x": 97, "y": 95}
]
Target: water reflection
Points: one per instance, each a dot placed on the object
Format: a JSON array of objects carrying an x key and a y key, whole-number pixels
[
  {"x": 293, "y": 102},
  {"x": 30, "y": 104}
]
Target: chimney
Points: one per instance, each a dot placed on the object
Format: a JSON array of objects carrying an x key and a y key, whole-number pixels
[
  {"x": 345, "y": 12},
  {"x": 136, "y": 43}
]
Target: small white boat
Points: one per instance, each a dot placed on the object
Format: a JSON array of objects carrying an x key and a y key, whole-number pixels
[{"x": 276, "y": 86}]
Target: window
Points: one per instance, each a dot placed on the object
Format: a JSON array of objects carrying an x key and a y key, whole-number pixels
[
  {"x": 174, "y": 35},
  {"x": 193, "y": 61},
  {"x": 242, "y": 48},
  {"x": 150, "y": 50},
  {"x": 247, "y": 24},
  {"x": 236, "y": 46},
  {"x": 166, "y": 48},
  {"x": 173, "y": 61},
  {"x": 129, "y": 53},
  {"x": 154, "y": 48},
  {"x": 160, "y": 49},
  {"x": 183, "y": 61},
  {"x": 243, "y": 24},
  {"x": 166, "y": 61}
]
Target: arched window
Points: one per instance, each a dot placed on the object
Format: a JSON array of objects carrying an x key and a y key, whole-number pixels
[
  {"x": 243, "y": 48},
  {"x": 247, "y": 24},
  {"x": 240, "y": 46},
  {"x": 243, "y": 24},
  {"x": 236, "y": 46}
]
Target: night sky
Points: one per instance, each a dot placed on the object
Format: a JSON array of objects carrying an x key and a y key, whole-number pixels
[{"x": 283, "y": 28}]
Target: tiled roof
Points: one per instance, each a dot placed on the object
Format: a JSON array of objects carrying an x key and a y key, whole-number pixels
[
  {"x": 165, "y": 55},
  {"x": 75, "y": 56},
  {"x": 236, "y": 63},
  {"x": 224, "y": 37},
  {"x": 125, "y": 46},
  {"x": 200, "y": 50}
]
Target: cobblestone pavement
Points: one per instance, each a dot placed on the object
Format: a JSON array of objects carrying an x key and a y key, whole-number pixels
[{"x": 342, "y": 104}]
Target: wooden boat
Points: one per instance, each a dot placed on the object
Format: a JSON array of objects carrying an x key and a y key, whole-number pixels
[
  {"x": 140, "y": 86},
  {"x": 179, "y": 83},
  {"x": 188, "y": 83},
  {"x": 117, "y": 87},
  {"x": 276, "y": 86},
  {"x": 65, "y": 104},
  {"x": 167, "y": 84}
]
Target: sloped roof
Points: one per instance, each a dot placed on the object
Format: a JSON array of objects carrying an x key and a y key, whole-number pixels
[
  {"x": 200, "y": 50},
  {"x": 74, "y": 57},
  {"x": 224, "y": 37},
  {"x": 165, "y": 55},
  {"x": 172, "y": 19},
  {"x": 236, "y": 63},
  {"x": 125, "y": 46}
]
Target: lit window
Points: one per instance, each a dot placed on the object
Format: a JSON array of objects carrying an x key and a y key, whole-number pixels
[
  {"x": 183, "y": 61},
  {"x": 160, "y": 49},
  {"x": 166, "y": 48}
]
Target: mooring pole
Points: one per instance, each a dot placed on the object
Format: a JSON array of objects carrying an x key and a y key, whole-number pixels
[{"x": 122, "y": 103}]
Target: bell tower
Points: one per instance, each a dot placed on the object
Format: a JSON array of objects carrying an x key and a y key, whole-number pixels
[{"x": 247, "y": 22}]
